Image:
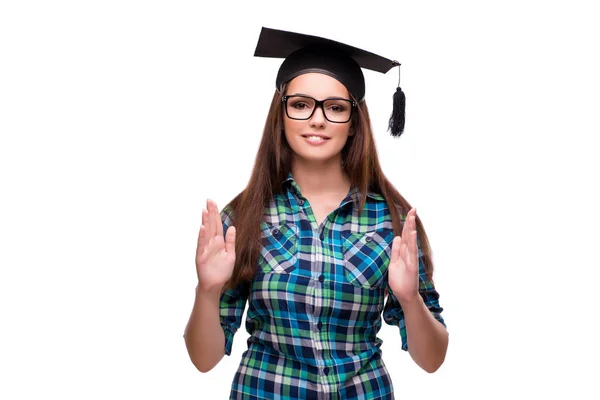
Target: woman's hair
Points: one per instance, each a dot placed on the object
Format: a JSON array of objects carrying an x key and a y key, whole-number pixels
[{"x": 271, "y": 167}]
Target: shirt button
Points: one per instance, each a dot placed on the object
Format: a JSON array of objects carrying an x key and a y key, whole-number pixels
[
  {"x": 275, "y": 232},
  {"x": 326, "y": 370},
  {"x": 321, "y": 278},
  {"x": 320, "y": 325},
  {"x": 300, "y": 202},
  {"x": 369, "y": 239}
]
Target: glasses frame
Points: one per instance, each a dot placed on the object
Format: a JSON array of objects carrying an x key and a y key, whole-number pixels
[{"x": 318, "y": 104}]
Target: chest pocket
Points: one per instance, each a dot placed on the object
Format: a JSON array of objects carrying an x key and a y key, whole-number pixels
[
  {"x": 367, "y": 257},
  {"x": 279, "y": 249}
]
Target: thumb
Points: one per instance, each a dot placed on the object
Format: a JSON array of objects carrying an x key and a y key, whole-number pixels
[{"x": 230, "y": 240}]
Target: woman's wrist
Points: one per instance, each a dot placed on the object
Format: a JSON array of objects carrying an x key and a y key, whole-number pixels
[
  {"x": 412, "y": 303},
  {"x": 213, "y": 292}
]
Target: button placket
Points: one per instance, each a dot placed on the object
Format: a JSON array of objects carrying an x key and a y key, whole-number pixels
[{"x": 317, "y": 269}]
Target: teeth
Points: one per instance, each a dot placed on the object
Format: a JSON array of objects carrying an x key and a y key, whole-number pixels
[{"x": 315, "y": 138}]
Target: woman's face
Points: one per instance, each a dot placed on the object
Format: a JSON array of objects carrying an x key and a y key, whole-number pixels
[{"x": 316, "y": 139}]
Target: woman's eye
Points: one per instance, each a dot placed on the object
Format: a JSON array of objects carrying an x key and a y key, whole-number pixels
[
  {"x": 337, "y": 108},
  {"x": 300, "y": 106}
]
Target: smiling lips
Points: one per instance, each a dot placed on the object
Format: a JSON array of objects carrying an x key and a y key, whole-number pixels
[{"x": 315, "y": 138}]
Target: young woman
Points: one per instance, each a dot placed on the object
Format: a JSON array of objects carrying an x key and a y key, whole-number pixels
[{"x": 319, "y": 246}]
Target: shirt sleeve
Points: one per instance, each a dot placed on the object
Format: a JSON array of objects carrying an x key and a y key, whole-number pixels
[
  {"x": 393, "y": 314},
  {"x": 233, "y": 301}
]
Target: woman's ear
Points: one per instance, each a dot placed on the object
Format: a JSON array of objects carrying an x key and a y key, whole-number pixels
[{"x": 352, "y": 129}]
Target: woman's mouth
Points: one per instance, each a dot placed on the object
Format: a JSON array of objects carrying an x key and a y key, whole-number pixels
[{"x": 315, "y": 139}]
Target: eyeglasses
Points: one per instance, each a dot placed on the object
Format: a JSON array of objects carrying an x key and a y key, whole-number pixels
[{"x": 334, "y": 109}]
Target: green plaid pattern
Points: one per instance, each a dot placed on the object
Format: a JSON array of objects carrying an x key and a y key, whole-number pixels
[{"x": 316, "y": 302}]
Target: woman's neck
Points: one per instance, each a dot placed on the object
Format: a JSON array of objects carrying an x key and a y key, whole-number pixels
[{"x": 318, "y": 179}]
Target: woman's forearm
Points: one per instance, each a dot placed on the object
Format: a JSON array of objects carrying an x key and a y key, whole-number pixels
[
  {"x": 427, "y": 337},
  {"x": 204, "y": 337}
]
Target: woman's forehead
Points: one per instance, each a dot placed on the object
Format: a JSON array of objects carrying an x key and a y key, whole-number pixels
[{"x": 317, "y": 85}]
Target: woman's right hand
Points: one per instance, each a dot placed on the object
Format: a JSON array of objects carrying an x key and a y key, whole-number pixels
[{"x": 215, "y": 257}]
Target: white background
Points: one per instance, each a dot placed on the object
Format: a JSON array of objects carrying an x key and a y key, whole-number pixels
[{"x": 118, "y": 120}]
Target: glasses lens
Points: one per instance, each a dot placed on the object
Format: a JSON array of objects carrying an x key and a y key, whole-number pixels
[
  {"x": 300, "y": 107},
  {"x": 337, "y": 110}
]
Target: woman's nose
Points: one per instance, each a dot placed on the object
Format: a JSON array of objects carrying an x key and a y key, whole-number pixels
[{"x": 318, "y": 117}]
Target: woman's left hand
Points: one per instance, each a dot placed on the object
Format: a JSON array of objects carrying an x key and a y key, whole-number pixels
[{"x": 403, "y": 271}]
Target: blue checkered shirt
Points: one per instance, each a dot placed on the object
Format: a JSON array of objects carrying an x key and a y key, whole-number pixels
[{"x": 315, "y": 305}]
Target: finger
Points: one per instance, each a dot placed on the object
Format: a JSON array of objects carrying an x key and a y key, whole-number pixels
[
  {"x": 202, "y": 236},
  {"x": 205, "y": 218},
  {"x": 404, "y": 251},
  {"x": 218, "y": 225},
  {"x": 230, "y": 240},
  {"x": 405, "y": 228},
  {"x": 202, "y": 240},
  {"x": 413, "y": 251},
  {"x": 218, "y": 221},
  {"x": 396, "y": 243},
  {"x": 412, "y": 226},
  {"x": 212, "y": 228},
  {"x": 413, "y": 241},
  {"x": 412, "y": 213}
]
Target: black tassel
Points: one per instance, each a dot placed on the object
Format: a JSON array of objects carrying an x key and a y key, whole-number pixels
[{"x": 396, "y": 124}]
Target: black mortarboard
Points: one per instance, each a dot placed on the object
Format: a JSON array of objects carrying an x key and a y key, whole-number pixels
[{"x": 306, "y": 53}]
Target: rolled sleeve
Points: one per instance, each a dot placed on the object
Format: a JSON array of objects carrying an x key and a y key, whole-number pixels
[
  {"x": 231, "y": 308},
  {"x": 233, "y": 301},
  {"x": 393, "y": 314}
]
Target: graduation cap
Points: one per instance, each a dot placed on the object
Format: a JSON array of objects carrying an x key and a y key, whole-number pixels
[{"x": 306, "y": 53}]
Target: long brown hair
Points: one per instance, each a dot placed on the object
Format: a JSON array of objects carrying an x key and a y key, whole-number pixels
[{"x": 271, "y": 167}]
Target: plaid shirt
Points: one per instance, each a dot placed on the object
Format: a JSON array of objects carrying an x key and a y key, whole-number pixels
[{"x": 315, "y": 305}]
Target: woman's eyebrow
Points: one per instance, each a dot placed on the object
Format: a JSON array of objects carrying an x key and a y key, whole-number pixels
[
  {"x": 299, "y": 94},
  {"x": 326, "y": 98}
]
